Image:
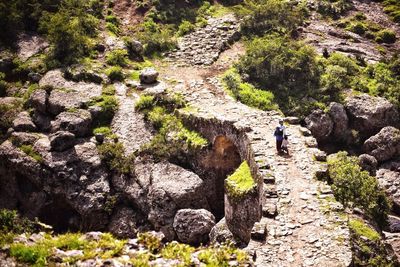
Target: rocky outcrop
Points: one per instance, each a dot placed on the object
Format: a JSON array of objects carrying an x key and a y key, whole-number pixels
[
  {"x": 384, "y": 145},
  {"x": 340, "y": 121},
  {"x": 220, "y": 233},
  {"x": 126, "y": 222},
  {"x": 193, "y": 226},
  {"x": 77, "y": 122},
  {"x": 368, "y": 163},
  {"x": 389, "y": 181},
  {"x": 368, "y": 114},
  {"x": 148, "y": 76},
  {"x": 23, "y": 123},
  {"x": 320, "y": 124},
  {"x": 38, "y": 100},
  {"x": 61, "y": 141}
]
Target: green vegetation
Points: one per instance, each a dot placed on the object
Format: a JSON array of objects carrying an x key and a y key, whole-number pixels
[
  {"x": 361, "y": 26},
  {"x": 28, "y": 149},
  {"x": 8, "y": 113},
  {"x": 117, "y": 57},
  {"x": 113, "y": 155},
  {"x": 115, "y": 73},
  {"x": 333, "y": 8},
  {"x": 173, "y": 138},
  {"x": 267, "y": 16},
  {"x": 356, "y": 188},
  {"x": 362, "y": 229},
  {"x": 70, "y": 30},
  {"x": 367, "y": 245},
  {"x": 241, "y": 182},
  {"x": 3, "y": 85},
  {"x": 185, "y": 28},
  {"x": 392, "y": 8},
  {"x": 247, "y": 93},
  {"x": 12, "y": 224}
]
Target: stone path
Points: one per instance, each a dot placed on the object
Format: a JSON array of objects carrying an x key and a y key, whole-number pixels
[
  {"x": 204, "y": 45},
  {"x": 309, "y": 229},
  {"x": 128, "y": 124}
]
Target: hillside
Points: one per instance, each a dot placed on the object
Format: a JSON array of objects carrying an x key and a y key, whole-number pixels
[{"x": 141, "y": 133}]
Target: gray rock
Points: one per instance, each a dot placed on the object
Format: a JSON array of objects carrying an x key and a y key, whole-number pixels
[
  {"x": 193, "y": 226},
  {"x": 320, "y": 155},
  {"x": 23, "y": 123},
  {"x": 125, "y": 222},
  {"x": 42, "y": 121},
  {"x": 368, "y": 163},
  {"x": 311, "y": 142},
  {"x": 34, "y": 77},
  {"x": 259, "y": 231},
  {"x": 389, "y": 181},
  {"x": 61, "y": 141},
  {"x": 61, "y": 100},
  {"x": 220, "y": 233},
  {"x": 340, "y": 120},
  {"x": 369, "y": 114},
  {"x": 292, "y": 120},
  {"x": 148, "y": 76},
  {"x": 38, "y": 100},
  {"x": 320, "y": 125},
  {"x": 78, "y": 123},
  {"x": 384, "y": 145},
  {"x": 81, "y": 74},
  {"x": 23, "y": 138},
  {"x": 305, "y": 131},
  {"x": 394, "y": 224}
]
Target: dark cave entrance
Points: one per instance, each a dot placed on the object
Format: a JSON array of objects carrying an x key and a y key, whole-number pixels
[{"x": 222, "y": 160}]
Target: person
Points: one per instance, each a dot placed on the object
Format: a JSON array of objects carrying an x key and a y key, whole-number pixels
[
  {"x": 285, "y": 143},
  {"x": 279, "y": 135}
]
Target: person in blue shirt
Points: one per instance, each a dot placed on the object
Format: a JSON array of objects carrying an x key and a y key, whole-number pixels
[{"x": 280, "y": 132}]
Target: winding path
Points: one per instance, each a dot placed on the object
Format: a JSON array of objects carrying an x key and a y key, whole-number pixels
[{"x": 309, "y": 229}]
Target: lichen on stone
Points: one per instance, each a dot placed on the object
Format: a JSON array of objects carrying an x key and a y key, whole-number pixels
[{"x": 241, "y": 182}]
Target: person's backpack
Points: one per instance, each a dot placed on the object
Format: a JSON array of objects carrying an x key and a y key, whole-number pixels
[{"x": 278, "y": 131}]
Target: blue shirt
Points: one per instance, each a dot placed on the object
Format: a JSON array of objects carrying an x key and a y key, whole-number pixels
[{"x": 280, "y": 137}]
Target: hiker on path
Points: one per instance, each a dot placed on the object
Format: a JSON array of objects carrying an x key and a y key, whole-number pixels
[{"x": 280, "y": 133}]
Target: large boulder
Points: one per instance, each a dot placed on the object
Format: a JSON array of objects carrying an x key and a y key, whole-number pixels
[
  {"x": 389, "y": 181},
  {"x": 193, "y": 226},
  {"x": 384, "y": 145},
  {"x": 161, "y": 189},
  {"x": 369, "y": 114},
  {"x": 125, "y": 222},
  {"x": 320, "y": 124},
  {"x": 220, "y": 233},
  {"x": 77, "y": 122},
  {"x": 42, "y": 121},
  {"x": 368, "y": 163},
  {"x": 23, "y": 123},
  {"x": 61, "y": 141},
  {"x": 340, "y": 120},
  {"x": 38, "y": 100},
  {"x": 148, "y": 76}
]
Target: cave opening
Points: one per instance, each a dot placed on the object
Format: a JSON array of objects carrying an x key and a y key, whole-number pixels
[{"x": 220, "y": 161}]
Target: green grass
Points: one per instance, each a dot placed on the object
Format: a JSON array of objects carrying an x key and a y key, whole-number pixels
[
  {"x": 240, "y": 182},
  {"x": 362, "y": 229},
  {"x": 28, "y": 149},
  {"x": 144, "y": 102}
]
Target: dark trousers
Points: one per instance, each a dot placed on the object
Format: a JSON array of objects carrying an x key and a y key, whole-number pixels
[{"x": 278, "y": 145}]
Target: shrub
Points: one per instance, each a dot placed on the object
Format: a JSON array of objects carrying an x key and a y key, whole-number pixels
[
  {"x": 117, "y": 57},
  {"x": 144, "y": 102},
  {"x": 115, "y": 73},
  {"x": 113, "y": 28},
  {"x": 69, "y": 30},
  {"x": 155, "y": 38},
  {"x": 266, "y": 16},
  {"x": 113, "y": 155},
  {"x": 386, "y": 36},
  {"x": 185, "y": 27},
  {"x": 333, "y": 8},
  {"x": 356, "y": 188},
  {"x": 3, "y": 85},
  {"x": 288, "y": 69}
]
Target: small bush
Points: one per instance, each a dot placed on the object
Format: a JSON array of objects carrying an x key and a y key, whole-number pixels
[
  {"x": 115, "y": 73},
  {"x": 117, "y": 57},
  {"x": 386, "y": 36},
  {"x": 113, "y": 28},
  {"x": 356, "y": 188},
  {"x": 144, "y": 102},
  {"x": 333, "y": 8},
  {"x": 35, "y": 254},
  {"x": 185, "y": 28},
  {"x": 113, "y": 155}
]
